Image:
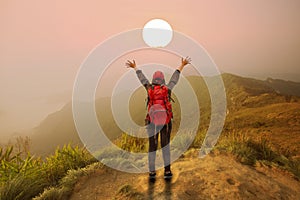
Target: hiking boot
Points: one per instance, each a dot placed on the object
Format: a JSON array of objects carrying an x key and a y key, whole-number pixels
[
  {"x": 168, "y": 175},
  {"x": 152, "y": 175}
]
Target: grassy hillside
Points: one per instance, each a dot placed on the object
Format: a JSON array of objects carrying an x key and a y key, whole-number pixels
[
  {"x": 253, "y": 106},
  {"x": 257, "y": 109},
  {"x": 262, "y": 128},
  {"x": 284, "y": 87}
]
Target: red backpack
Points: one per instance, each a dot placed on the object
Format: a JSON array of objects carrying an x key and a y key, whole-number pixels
[{"x": 159, "y": 106}]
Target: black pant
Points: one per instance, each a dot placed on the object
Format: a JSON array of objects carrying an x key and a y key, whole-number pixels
[{"x": 165, "y": 133}]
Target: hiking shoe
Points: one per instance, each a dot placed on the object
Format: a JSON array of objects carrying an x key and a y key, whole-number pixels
[
  {"x": 168, "y": 175},
  {"x": 152, "y": 175}
]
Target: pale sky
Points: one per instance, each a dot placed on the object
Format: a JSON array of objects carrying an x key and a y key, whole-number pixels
[{"x": 43, "y": 43}]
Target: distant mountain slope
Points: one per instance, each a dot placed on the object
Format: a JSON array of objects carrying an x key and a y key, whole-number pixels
[
  {"x": 250, "y": 103},
  {"x": 57, "y": 129},
  {"x": 249, "y": 92},
  {"x": 284, "y": 87}
]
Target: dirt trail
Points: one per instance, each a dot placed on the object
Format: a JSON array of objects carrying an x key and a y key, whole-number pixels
[{"x": 214, "y": 177}]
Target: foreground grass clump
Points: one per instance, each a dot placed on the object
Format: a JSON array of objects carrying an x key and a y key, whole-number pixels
[
  {"x": 252, "y": 151},
  {"x": 64, "y": 188},
  {"x": 64, "y": 159},
  {"x": 23, "y": 176}
]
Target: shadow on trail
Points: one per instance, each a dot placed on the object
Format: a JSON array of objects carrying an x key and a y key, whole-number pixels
[
  {"x": 166, "y": 193},
  {"x": 151, "y": 183},
  {"x": 168, "y": 190}
]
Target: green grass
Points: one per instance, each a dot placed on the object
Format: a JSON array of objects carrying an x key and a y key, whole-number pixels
[
  {"x": 252, "y": 151},
  {"x": 64, "y": 189},
  {"x": 64, "y": 159},
  {"x": 23, "y": 176}
]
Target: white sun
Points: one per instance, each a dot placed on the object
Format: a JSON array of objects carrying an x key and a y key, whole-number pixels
[{"x": 157, "y": 33}]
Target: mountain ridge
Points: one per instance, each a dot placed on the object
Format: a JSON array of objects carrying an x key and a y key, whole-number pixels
[{"x": 242, "y": 93}]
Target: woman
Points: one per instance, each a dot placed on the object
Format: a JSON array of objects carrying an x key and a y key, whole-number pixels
[{"x": 157, "y": 122}]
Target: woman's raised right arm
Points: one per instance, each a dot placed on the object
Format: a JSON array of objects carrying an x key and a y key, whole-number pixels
[{"x": 145, "y": 82}]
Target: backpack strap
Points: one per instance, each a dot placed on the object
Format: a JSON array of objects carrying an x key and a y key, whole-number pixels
[
  {"x": 170, "y": 96},
  {"x": 151, "y": 87}
]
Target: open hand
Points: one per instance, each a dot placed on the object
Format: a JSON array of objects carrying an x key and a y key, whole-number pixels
[
  {"x": 185, "y": 61},
  {"x": 130, "y": 64}
]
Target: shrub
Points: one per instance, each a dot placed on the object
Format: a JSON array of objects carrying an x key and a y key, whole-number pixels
[
  {"x": 64, "y": 159},
  {"x": 23, "y": 177},
  {"x": 65, "y": 187},
  {"x": 252, "y": 150}
]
